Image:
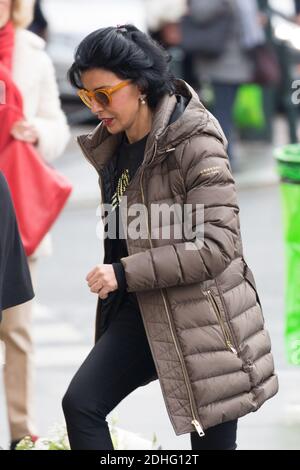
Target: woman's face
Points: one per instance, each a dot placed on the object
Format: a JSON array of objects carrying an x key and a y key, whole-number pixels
[
  {"x": 5, "y": 12},
  {"x": 124, "y": 111}
]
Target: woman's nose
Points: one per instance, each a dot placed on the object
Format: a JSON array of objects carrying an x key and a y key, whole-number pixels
[{"x": 96, "y": 107}]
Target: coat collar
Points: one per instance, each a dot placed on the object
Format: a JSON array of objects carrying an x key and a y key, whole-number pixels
[{"x": 99, "y": 146}]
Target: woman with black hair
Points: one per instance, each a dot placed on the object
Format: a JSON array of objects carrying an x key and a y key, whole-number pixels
[
  {"x": 15, "y": 282},
  {"x": 177, "y": 305}
]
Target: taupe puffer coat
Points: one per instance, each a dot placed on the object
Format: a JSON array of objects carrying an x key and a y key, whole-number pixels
[{"x": 200, "y": 307}]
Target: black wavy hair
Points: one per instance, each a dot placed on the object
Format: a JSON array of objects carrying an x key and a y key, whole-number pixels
[{"x": 130, "y": 54}]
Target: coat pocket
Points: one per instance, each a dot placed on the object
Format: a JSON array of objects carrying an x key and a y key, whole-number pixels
[{"x": 228, "y": 339}]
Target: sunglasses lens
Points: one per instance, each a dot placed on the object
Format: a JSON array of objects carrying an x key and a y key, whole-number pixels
[{"x": 102, "y": 98}]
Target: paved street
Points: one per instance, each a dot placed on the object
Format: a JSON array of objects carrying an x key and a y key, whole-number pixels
[{"x": 65, "y": 317}]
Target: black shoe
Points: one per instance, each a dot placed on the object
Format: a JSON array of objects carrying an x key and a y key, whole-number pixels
[{"x": 14, "y": 444}]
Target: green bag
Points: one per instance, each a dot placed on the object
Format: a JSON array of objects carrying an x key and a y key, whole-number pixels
[
  {"x": 291, "y": 217},
  {"x": 248, "y": 109},
  {"x": 288, "y": 167}
]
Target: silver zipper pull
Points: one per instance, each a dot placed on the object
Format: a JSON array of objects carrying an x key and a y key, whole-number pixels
[
  {"x": 198, "y": 428},
  {"x": 232, "y": 349}
]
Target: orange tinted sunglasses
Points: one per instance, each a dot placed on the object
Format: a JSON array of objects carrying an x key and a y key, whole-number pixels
[{"x": 101, "y": 95}]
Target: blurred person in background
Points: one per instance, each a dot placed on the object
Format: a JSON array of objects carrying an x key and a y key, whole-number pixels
[
  {"x": 170, "y": 307},
  {"x": 163, "y": 22},
  {"x": 235, "y": 65},
  {"x": 297, "y": 11},
  {"x": 44, "y": 126},
  {"x": 15, "y": 281},
  {"x": 39, "y": 24},
  {"x": 163, "y": 18}
]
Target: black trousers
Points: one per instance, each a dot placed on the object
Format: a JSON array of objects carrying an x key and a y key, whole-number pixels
[
  {"x": 119, "y": 363},
  {"x": 225, "y": 94}
]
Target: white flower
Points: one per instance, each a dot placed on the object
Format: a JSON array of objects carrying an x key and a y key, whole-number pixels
[
  {"x": 126, "y": 440},
  {"x": 58, "y": 440},
  {"x": 41, "y": 444}
]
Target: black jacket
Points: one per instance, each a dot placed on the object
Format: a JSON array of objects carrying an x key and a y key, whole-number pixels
[{"x": 15, "y": 281}]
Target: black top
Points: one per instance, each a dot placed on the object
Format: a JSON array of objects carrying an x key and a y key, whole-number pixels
[
  {"x": 129, "y": 158},
  {"x": 15, "y": 281}
]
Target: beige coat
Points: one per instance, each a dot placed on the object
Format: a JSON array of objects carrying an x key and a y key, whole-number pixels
[{"x": 199, "y": 305}]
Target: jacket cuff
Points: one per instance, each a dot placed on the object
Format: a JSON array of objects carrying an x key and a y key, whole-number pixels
[{"x": 120, "y": 275}]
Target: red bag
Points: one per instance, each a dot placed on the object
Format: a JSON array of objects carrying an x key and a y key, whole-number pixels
[{"x": 38, "y": 191}]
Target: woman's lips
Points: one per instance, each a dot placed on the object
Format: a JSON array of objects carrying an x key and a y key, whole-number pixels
[{"x": 107, "y": 121}]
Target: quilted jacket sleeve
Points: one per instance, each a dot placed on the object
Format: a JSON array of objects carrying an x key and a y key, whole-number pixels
[{"x": 208, "y": 181}]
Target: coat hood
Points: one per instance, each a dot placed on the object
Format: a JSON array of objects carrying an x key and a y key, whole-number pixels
[{"x": 99, "y": 146}]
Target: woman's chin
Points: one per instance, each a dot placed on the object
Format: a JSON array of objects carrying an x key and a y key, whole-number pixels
[{"x": 114, "y": 129}]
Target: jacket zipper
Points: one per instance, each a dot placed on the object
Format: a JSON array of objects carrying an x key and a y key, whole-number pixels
[
  {"x": 226, "y": 333},
  {"x": 195, "y": 421}
]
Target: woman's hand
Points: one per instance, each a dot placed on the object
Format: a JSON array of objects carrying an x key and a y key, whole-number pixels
[
  {"x": 22, "y": 130},
  {"x": 102, "y": 280}
]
